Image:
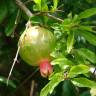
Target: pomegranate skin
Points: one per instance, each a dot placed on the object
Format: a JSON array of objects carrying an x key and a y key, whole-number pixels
[{"x": 36, "y": 43}]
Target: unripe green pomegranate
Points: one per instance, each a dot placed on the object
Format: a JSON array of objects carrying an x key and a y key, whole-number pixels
[{"x": 36, "y": 43}]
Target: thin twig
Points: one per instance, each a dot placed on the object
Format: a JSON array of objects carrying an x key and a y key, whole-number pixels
[
  {"x": 53, "y": 17},
  {"x": 32, "y": 88},
  {"x": 29, "y": 13},
  {"x": 15, "y": 59},
  {"x": 24, "y": 8},
  {"x": 59, "y": 10},
  {"x": 25, "y": 80},
  {"x": 17, "y": 17}
]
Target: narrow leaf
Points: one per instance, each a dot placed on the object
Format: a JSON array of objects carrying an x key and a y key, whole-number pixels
[
  {"x": 54, "y": 7},
  {"x": 87, "y": 28},
  {"x": 4, "y": 80},
  {"x": 70, "y": 41},
  {"x": 38, "y": 4},
  {"x": 44, "y": 6},
  {"x": 78, "y": 69},
  {"x": 41, "y": 5},
  {"x": 91, "y": 38},
  {"x": 78, "y": 58},
  {"x": 87, "y": 13},
  {"x": 62, "y": 62},
  {"x": 87, "y": 54},
  {"x": 84, "y": 82},
  {"x": 10, "y": 25},
  {"x": 48, "y": 89}
]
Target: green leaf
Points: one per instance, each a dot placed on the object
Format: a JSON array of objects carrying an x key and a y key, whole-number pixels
[
  {"x": 4, "y": 80},
  {"x": 37, "y": 19},
  {"x": 67, "y": 22},
  {"x": 91, "y": 38},
  {"x": 38, "y": 5},
  {"x": 75, "y": 19},
  {"x": 85, "y": 93},
  {"x": 10, "y": 25},
  {"x": 78, "y": 58},
  {"x": 84, "y": 82},
  {"x": 11, "y": 6},
  {"x": 62, "y": 62},
  {"x": 70, "y": 15},
  {"x": 41, "y": 5},
  {"x": 70, "y": 41},
  {"x": 55, "y": 4},
  {"x": 87, "y": 13},
  {"x": 68, "y": 89},
  {"x": 3, "y": 10},
  {"x": 55, "y": 80},
  {"x": 78, "y": 69},
  {"x": 87, "y": 28},
  {"x": 87, "y": 54},
  {"x": 44, "y": 6}
]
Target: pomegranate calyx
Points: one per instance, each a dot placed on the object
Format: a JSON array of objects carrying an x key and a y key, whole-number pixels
[{"x": 45, "y": 68}]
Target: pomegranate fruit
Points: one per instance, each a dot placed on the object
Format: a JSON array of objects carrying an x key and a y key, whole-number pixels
[{"x": 36, "y": 43}]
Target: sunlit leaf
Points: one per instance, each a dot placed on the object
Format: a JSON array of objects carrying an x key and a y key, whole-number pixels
[
  {"x": 84, "y": 82},
  {"x": 70, "y": 41},
  {"x": 63, "y": 62},
  {"x": 87, "y": 13},
  {"x": 78, "y": 69},
  {"x": 44, "y": 6},
  {"x": 67, "y": 21},
  {"x": 41, "y": 5},
  {"x": 38, "y": 4},
  {"x": 54, "y": 7},
  {"x": 55, "y": 80}
]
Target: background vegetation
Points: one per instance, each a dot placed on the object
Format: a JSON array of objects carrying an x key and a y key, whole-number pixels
[{"x": 73, "y": 23}]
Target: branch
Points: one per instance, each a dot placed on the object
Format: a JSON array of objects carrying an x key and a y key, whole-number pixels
[
  {"x": 32, "y": 88},
  {"x": 23, "y": 82},
  {"x": 29, "y": 13},
  {"x": 55, "y": 18},
  {"x": 24, "y": 8}
]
